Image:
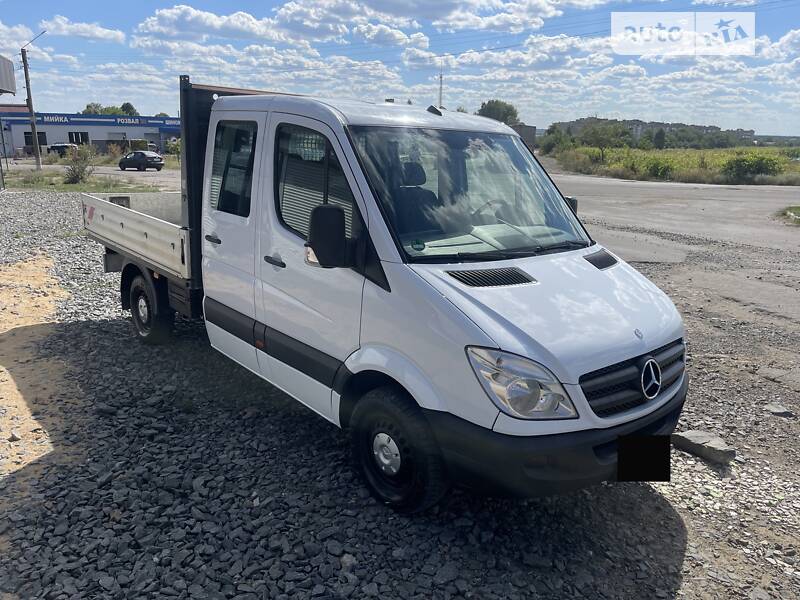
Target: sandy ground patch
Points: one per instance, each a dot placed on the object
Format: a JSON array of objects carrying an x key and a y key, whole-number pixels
[{"x": 28, "y": 297}]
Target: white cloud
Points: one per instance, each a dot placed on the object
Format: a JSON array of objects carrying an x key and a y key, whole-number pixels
[
  {"x": 184, "y": 21},
  {"x": 495, "y": 15},
  {"x": 383, "y": 35},
  {"x": 60, "y": 25},
  {"x": 418, "y": 58},
  {"x": 12, "y": 38},
  {"x": 788, "y": 46}
]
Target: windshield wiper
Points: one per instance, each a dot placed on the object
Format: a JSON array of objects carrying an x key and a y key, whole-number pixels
[
  {"x": 470, "y": 256},
  {"x": 565, "y": 245},
  {"x": 500, "y": 254}
]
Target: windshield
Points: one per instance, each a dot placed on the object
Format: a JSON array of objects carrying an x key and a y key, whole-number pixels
[{"x": 461, "y": 195}]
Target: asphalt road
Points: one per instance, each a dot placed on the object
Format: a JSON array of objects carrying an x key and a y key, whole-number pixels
[{"x": 742, "y": 214}]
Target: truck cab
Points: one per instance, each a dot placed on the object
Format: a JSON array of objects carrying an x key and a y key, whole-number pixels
[{"x": 415, "y": 277}]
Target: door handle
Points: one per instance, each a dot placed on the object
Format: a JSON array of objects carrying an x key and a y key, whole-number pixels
[
  {"x": 213, "y": 239},
  {"x": 276, "y": 262}
]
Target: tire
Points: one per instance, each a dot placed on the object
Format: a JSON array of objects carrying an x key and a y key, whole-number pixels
[
  {"x": 158, "y": 169},
  {"x": 152, "y": 320},
  {"x": 121, "y": 168},
  {"x": 387, "y": 424}
]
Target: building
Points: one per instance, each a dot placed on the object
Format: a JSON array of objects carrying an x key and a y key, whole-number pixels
[
  {"x": 99, "y": 130},
  {"x": 527, "y": 133}
]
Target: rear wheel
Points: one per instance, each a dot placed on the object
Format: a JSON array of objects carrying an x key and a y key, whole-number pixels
[
  {"x": 158, "y": 169},
  {"x": 151, "y": 319},
  {"x": 121, "y": 168},
  {"x": 395, "y": 452}
]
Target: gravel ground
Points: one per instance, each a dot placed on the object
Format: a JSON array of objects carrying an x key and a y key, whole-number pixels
[{"x": 173, "y": 473}]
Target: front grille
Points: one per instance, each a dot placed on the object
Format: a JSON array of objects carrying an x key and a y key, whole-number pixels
[
  {"x": 617, "y": 388},
  {"x": 492, "y": 277}
]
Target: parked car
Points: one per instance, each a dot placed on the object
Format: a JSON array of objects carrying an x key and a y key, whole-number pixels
[
  {"x": 423, "y": 284},
  {"x": 61, "y": 149},
  {"x": 141, "y": 160}
]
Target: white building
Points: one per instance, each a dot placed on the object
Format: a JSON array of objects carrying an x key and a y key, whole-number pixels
[{"x": 99, "y": 130}]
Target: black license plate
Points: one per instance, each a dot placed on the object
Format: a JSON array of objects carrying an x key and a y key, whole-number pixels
[{"x": 643, "y": 458}]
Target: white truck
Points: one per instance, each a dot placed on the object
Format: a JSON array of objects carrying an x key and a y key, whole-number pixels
[{"x": 414, "y": 277}]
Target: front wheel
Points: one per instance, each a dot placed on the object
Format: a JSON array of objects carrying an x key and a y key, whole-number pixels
[
  {"x": 152, "y": 320},
  {"x": 395, "y": 452}
]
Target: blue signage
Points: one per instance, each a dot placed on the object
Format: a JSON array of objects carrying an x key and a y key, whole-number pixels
[{"x": 163, "y": 123}]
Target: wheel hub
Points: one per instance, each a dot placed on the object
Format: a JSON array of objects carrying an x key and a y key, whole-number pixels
[
  {"x": 386, "y": 453},
  {"x": 141, "y": 307}
]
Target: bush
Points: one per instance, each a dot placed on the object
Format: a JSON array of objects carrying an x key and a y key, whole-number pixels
[
  {"x": 618, "y": 172},
  {"x": 51, "y": 158},
  {"x": 697, "y": 176},
  {"x": 780, "y": 179},
  {"x": 658, "y": 168},
  {"x": 115, "y": 151},
  {"x": 576, "y": 161},
  {"x": 79, "y": 164},
  {"x": 744, "y": 167},
  {"x": 175, "y": 147}
]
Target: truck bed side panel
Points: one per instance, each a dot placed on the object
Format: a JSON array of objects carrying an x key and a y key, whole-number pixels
[{"x": 138, "y": 235}]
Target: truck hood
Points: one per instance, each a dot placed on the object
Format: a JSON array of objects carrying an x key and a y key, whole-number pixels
[{"x": 575, "y": 318}]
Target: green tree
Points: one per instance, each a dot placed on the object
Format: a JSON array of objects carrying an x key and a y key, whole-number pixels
[
  {"x": 646, "y": 140},
  {"x": 604, "y": 136},
  {"x": 499, "y": 110},
  {"x": 128, "y": 109},
  {"x": 161, "y": 114},
  {"x": 659, "y": 139},
  {"x": 93, "y": 108}
]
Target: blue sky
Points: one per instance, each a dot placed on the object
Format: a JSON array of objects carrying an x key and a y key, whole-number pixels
[{"x": 551, "y": 58}]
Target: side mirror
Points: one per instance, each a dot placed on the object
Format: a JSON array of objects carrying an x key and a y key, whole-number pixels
[
  {"x": 327, "y": 242},
  {"x": 573, "y": 203}
]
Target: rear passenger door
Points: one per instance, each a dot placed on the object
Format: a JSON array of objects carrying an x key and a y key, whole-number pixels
[
  {"x": 229, "y": 222},
  {"x": 312, "y": 315}
]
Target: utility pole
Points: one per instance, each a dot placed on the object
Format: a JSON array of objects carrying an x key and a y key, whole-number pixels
[
  {"x": 34, "y": 135},
  {"x": 3, "y": 142}
]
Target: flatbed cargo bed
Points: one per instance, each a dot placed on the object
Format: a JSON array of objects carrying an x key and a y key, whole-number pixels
[{"x": 144, "y": 226}]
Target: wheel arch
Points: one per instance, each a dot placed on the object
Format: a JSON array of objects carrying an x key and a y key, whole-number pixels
[
  {"x": 130, "y": 270},
  {"x": 377, "y": 366}
]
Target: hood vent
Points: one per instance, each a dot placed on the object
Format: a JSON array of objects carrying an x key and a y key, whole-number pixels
[
  {"x": 492, "y": 277},
  {"x": 601, "y": 259}
]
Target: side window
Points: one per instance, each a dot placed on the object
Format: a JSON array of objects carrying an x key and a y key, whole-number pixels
[
  {"x": 232, "y": 167},
  {"x": 308, "y": 173}
]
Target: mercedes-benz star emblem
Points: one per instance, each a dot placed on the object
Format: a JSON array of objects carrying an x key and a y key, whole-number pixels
[{"x": 651, "y": 379}]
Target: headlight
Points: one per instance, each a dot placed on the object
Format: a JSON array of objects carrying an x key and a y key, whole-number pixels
[{"x": 520, "y": 387}]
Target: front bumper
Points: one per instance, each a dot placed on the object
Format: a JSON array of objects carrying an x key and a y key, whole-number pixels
[{"x": 496, "y": 463}]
